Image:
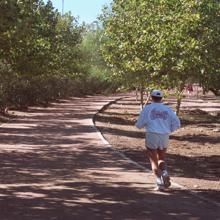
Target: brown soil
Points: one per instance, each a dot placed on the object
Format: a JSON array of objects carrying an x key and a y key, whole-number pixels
[
  {"x": 193, "y": 156},
  {"x": 5, "y": 117}
]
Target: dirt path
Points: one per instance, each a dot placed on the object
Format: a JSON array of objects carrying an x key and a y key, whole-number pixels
[{"x": 55, "y": 166}]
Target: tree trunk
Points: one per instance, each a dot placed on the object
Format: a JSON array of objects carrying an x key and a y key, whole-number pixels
[
  {"x": 136, "y": 93},
  {"x": 142, "y": 96},
  {"x": 179, "y": 99},
  {"x": 148, "y": 99}
]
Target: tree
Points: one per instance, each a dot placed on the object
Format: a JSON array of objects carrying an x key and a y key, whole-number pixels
[
  {"x": 39, "y": 50},
  {"x": 98, "y": 73},
  {"x": 27, "y": 35},
  {"x": 143, "y": 43},
  {"x": 67, "y": 55},
  {"x": 127, "y": 45},
  {"x": 209, "y": 43}
]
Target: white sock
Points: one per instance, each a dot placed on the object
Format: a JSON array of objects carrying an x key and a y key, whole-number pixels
[
  {"x": 159, "y": 181},
  {"x": 165, "y": 173}
]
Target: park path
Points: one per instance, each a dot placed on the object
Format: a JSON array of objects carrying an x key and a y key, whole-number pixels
[{"x": 54, "y": 166}]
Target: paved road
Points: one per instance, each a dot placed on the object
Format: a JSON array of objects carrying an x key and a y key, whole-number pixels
[{"x": 55, "y": 166}]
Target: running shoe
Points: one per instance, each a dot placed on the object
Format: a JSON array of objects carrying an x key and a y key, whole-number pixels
[
  {"x": 159, "y": 188},
  {"x": 159, "y": 184},
  {"x": 165, "y": 179}
]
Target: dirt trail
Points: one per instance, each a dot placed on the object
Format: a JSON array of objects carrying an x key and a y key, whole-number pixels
[{"x": 55, "y": 166}]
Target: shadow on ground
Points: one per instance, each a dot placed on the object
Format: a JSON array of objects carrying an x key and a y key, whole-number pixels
[
  {"x": 52, "y": 168},
  {"x": 118, "y": 128},
  {"x": 52, "y": 183}
]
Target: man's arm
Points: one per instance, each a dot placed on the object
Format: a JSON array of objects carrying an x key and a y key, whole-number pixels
[
  {"x": 142, "y": 119},
  {"x": 175, "y": 122}
]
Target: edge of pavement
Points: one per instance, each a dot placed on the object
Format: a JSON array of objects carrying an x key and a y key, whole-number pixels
[{"x": 108, "y": 145}]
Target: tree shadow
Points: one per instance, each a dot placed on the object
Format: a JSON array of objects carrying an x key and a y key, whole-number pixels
[
  {"x": 199, "y": 167},
  {"x": 216, "y": 107},
  {"x": 209, "y": 121},
  {"x": 119, "y": 132},
  {"x": 45, "y": 133},
  {"x": 115, "y": 113},
  {"x": 54, "y": 167},
  {"x": 113, "y": 119},
  {"x": 188, "y": 167},
  {"x": 197, "y": 138},
  {"x": 67, "y": 184}
]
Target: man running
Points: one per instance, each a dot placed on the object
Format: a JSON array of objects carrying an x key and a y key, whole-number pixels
[{"x": 159, "y": 121}]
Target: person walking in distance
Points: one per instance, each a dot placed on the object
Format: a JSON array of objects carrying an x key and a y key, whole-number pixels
[{"x": 159, "y": 121}]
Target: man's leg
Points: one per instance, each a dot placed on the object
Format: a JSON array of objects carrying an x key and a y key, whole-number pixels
[
  {"x": 161, "y": 159},
  {"x": 163, "y": 167},
  {"x": 153, "y": 157}
]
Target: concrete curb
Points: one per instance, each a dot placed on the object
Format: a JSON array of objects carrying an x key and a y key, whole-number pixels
[
  {"x": 106, "y": 143},
  {"x": 109, "y": 146}
]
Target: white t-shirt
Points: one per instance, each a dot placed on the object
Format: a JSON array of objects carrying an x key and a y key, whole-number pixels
[{"x": 158, "y": 118}]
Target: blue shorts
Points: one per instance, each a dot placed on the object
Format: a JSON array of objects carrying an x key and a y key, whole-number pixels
[{"x": 156, "y": 141}]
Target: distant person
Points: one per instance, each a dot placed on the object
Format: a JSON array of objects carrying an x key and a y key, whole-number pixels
[
  {"x": 159, "y": 121},
  {"x": 189, "y": 89}
]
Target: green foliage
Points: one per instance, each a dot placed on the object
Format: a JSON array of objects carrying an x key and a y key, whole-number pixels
[
  {"x": 209, "y": 32},
  {"x": 163, "y": 42},
  {"x": 100, "y": 75},
  {"x": 42, "y": 56}
]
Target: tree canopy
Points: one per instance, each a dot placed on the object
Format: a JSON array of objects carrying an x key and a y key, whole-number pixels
[
  {"x": 168, "y": 43},
  {"x": 45, "y": 55},
  {"x": 41, "y": 54}
]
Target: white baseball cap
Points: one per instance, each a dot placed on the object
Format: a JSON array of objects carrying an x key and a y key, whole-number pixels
[{"x": 157, "y": 93}]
